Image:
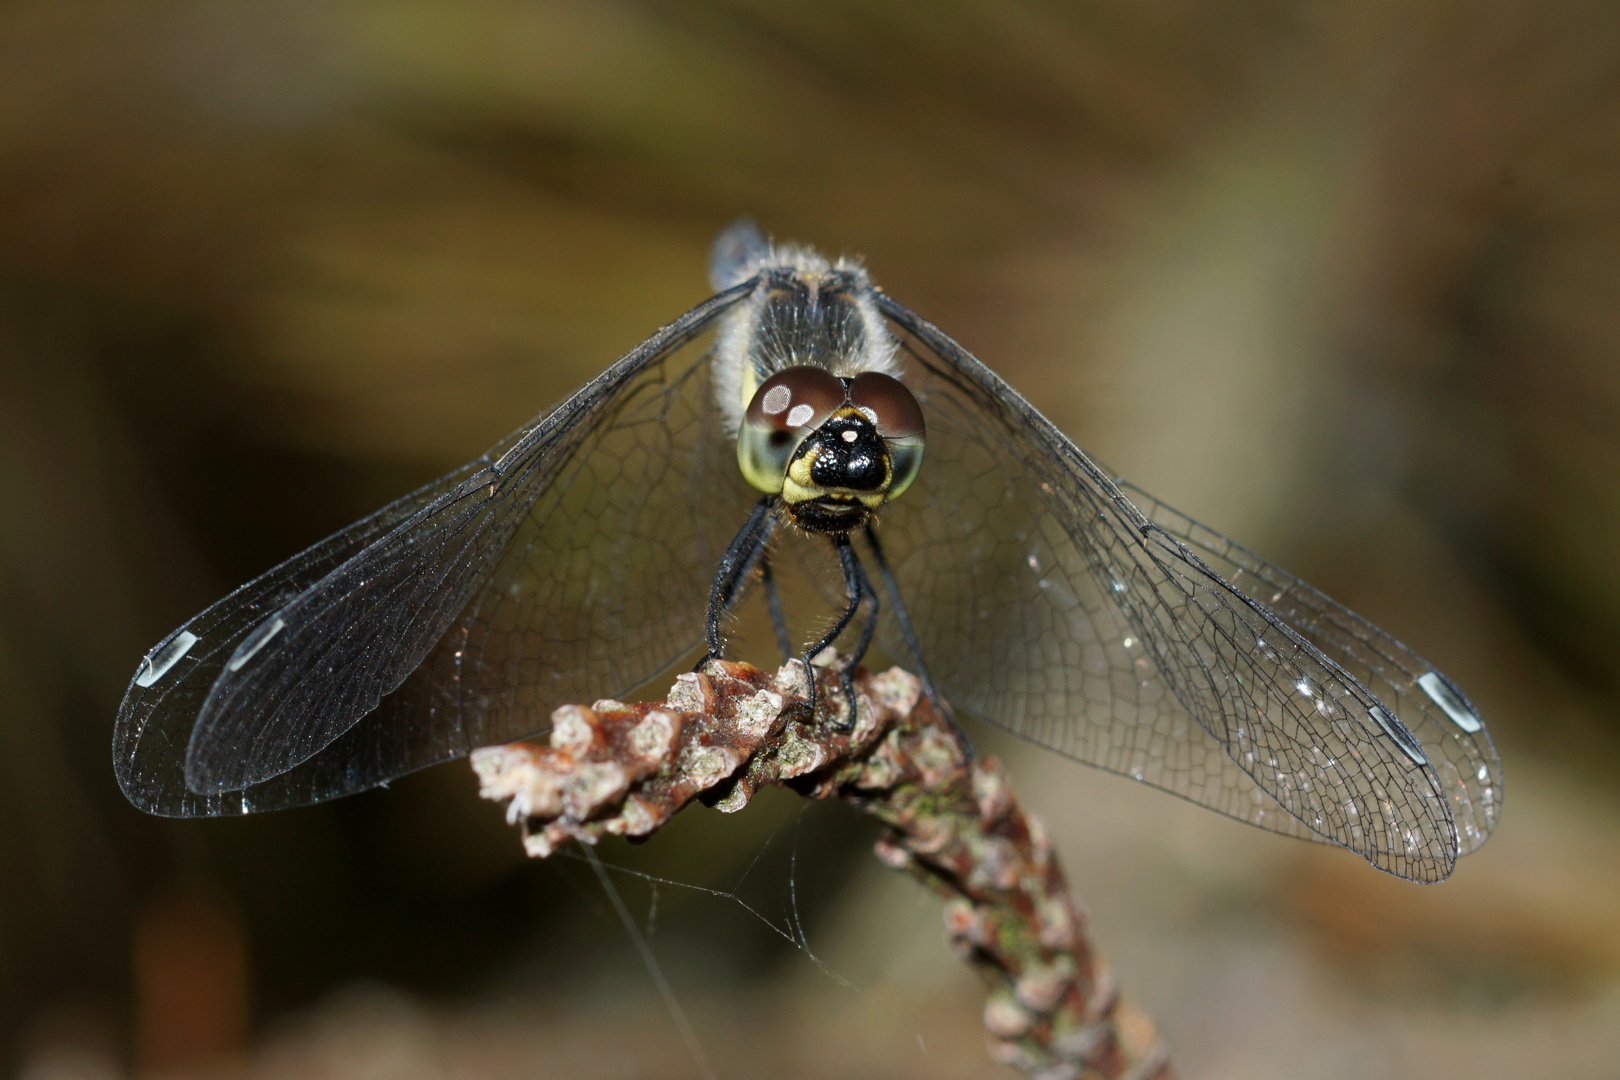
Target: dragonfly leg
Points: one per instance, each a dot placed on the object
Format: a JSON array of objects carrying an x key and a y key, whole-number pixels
[
  {"x": 892, "y": 587},
  {"x": 744, "y": 552},
  {"x": 854, "y": 592},
  {"x": 774, "y": 602},
  {"x": 846, "y": 672}
]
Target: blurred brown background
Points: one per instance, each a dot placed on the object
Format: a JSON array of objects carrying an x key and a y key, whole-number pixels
[{"x": 1342, "y": 280}]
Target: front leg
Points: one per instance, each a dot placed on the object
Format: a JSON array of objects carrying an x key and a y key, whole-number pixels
[
  {"x": 745, "y": 551},
  {"x": 854, "y": 591},
  {"x": 846, "y": 671}
]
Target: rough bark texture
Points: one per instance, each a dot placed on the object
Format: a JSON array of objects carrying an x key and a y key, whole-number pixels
[{"x": 953, "y": 823}]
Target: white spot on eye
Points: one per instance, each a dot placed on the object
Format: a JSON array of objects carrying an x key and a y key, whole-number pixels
[
  {"x": 868, "y": 412},
  {"x": 1443, "y": 696},
  {"x": 256, "y": 641},
  {"x": 776, "y": 399},
  {"x": 850, "y": 436},
  {"x": 165, "y": 656},
  {"x": 800, "y": 415}
]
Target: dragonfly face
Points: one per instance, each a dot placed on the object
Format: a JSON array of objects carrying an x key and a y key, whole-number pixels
[
  {"x": 834, "y": 449},
  {"x": 595, "y": 548}
]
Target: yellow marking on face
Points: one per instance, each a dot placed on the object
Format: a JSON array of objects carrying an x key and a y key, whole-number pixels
[{"x": 798, "y": 486}]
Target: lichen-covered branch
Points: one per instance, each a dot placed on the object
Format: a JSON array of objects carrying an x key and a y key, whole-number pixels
[{"x": 953, "y": 823}]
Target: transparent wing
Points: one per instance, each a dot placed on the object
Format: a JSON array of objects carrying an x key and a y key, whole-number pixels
[
  {"x": 1048, "y": 604},
  {"x": 1428, "y": 704},
  {"x": 160, "y": 709},
  {"x": 573, "y": 559}
]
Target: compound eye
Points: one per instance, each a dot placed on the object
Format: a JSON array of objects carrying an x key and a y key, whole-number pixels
[
  {"x": 888, "y": 404},
  {"x": 795, "y": 399},
  {"x": 786, "y": 409},
  {"x": 894, "y": 411}
]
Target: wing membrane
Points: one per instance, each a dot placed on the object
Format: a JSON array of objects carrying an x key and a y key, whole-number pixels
[
  {"x": 1048, "y": 604},
  {"x": 1463, "y": 756},
  {"x": 457, "y": 614},
  {"x": 156, "y": 717}
]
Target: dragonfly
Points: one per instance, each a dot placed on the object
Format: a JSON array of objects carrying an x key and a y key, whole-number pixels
[{"x": 618, "y": 533}]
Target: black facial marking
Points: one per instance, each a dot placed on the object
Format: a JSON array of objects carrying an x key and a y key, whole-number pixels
[{"x": 849, "y": 455}]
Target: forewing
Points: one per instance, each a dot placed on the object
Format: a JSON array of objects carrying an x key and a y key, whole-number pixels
[
  {"x": 454, "y": 620},
  {"x": 1047, "y": 604}
]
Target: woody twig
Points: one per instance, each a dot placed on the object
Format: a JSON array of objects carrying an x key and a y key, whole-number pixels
[{"x": 1053, "y": 1009}]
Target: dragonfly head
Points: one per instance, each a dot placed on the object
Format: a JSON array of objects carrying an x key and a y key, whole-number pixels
[{"x": 835, "y": 449}]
